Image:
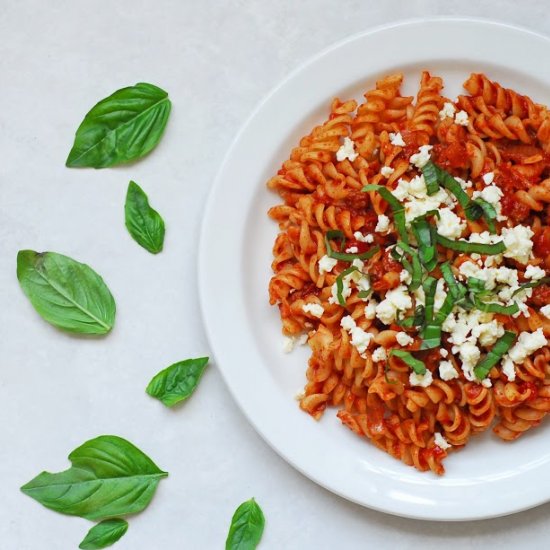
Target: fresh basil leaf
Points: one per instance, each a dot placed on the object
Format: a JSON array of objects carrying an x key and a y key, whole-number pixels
[
  {"x": 144, "y": 224},
  {"x": 104, "y": 534},
  {"x": 122, "y": 127},
  {"x": 416, "y": 365},
  {"x": 109, "y": 477},
  {"x": 177, "y": 382},
  {"x": 66, "y": 293},
  {"x": 247, "y": 526}
]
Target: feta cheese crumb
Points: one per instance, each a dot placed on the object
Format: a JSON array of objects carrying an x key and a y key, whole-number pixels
[
  {"x": 290, "y": 342},
  {"x": 469, "y": 354},
  {"x": 545, "y": 310},
  {"x": 316, "y": 310},
  {"x": 403, "y": 339},
  {"x": 447, "y": 371},
  {"x": 383, "y": 224},
  {"x": 405, "y": 277},
  {"x": 488, "y": 178},
  {"x": 528, "y": 343},
  {"x": 441, "y": 442},
  {"x": 534, "y": 272},
  {"x": 448, "y": 111},
  {"x": 422, "y": 157},
  {"x": 395, "y": 300},
  {"x": 508, "y": 368},
  {"x": 449, "y": 224},
  {"x": 358, "y": 236},
  {"x": 387, "y": 171},
  {"x": 359, "y": 338},
  {"x": 461, "y": 118},
  {"x": 486, "y": 383},
  {"x": 443, "y": 352},
  {"x": 370, "y": 309},
  {"x": 326, "y": 264},
  {"x": 379, "y": 354},
  {"x": 519, "y": 245},
  {"x": 352, "y": 250},
  {"x": 397, "y": 139},
  {"x": 423, "y": 380},
  {"x": 347, "y": 151}
]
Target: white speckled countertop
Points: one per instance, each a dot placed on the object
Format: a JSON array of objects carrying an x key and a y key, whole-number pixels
[{"x": 217, "y": 60}]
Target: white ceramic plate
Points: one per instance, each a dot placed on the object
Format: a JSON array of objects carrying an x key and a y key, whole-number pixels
[{"x": 489, "y": 477}]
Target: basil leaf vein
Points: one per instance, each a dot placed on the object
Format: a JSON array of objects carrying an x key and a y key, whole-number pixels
[
  {"x": 66, "y": 293},
  {"x": 122, "y": 127},
  {"x": 247, "y": 527},
  {"x": 177, "y": 382},
  {"x": 104, "y": 534},
  {"x": 109, "y": 477},
  {"x": 144, "y": 224}
]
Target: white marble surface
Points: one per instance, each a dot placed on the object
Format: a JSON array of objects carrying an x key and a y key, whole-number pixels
[{"x": 217, "y": 60}]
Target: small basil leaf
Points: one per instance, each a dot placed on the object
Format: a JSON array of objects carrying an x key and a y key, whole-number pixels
[
  {"x": 66, "y": 293},
  {"x": 104, "y": 534},
  {"x": 247, "y": 526},
  {"x": 177, "y": 382},
  {"x": 122, "y": 127},
  {"x": 144, "y": 224},
  {"x": 109, "y": 477}
]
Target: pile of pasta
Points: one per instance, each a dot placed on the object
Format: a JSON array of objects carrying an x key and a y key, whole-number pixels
[{"x": 427, "y": 324}]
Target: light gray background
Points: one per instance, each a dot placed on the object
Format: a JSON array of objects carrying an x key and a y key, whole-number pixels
[{"x": 217, "y": 60}]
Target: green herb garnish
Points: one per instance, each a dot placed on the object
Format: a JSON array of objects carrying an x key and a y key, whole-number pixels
[
  {"x": 502, "y": 345},
  {"x": 247, "y": 527},
  {"x": 104, "y": 534},
  {"x": 397, "y": 208},
  {"x": 416, "y": 364},
  {"x": 337, "y": 235},
  {"x": 478, "y": 248}
]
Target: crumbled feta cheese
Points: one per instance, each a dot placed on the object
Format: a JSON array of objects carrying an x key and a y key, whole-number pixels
[
  {"x": 488, "y": 333},
  {"x": 370, "y": 308},
  {"x": 488, "y": 178},
  {"x": 290, "y": 342},
  {"x": 423, "y": 380},
  {"x": 352, "y": 250},
  {"x": 469, "y": 354},
  {"x": 379, "y": 354},
  {"x": 440, "y": 295},
  {"x": 527, "y": 343},
  {"x": 316, "y": 310},
  {"x": 449, "y": 224},
  {"x": 403, "y": 339},
  {"x": 422, "y": 157},
  {"x": 358, "y": 236},
  {"x": 534, "y": 272},
  {"x": 486, "y": 383},
  {"x": 397, "y": 139},
  {"x": 545, "y": 310},
  {"x": 441, "y": 442},
  {"x": 359, "y": 338},
  {"x": 405, "y": 277},
  {"x": 383, "y": 224},
  {"x": 447, "y": 371},
  {"x": 448, "y": 111},
  {"x": 326, "y": 264},
  {"x": 518, "y": 243},
  {"x": 347, "y": 151},
  {"x": 463, "y": 183},
  {"x": 443, "y": 352},
  {"x": 361, "y": 281},
  {"x": 461, "y": 118},
  {"x": 395, "y": 300},
  {"x": 508, "y": 368},
  {"x": 492, "y": 194},
  {"x": 387, "y": 171}
]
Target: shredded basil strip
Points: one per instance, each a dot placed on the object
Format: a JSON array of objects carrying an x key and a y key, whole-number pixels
[
  {"x": 456, "y": 289},
  {"x": 416, "y": 320},
  {"x": 337, "y": 235},
  {"x": 340, "y": 284},
  {"x": 502, "y": 345},
  {"x": 397, "y": 208},
  {"x": 431, "y": 177},
  {"x": 346, "y": 256},
  {"x": 426, "y": 237},
  {"x": 415, "y": 268},
  {"x": 489, "y": 213},
  {"x": 478, "y": 248},
  {"x": 431, "y": 334},
  {"x": 476, "y": 285},
  {"x": 532, "y": 284},
  {"x": 492, "y": 307},
  {"x": 364, "y": 293},
  {"x": 416, "y": 364}
]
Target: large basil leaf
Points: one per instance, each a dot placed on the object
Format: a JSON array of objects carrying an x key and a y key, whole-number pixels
[
  {"x": 104, "y": 534},
  {"x": 109, "y": 477},
  {"x": 66, "y": 293},
  {"x": 122, "y": 127},
  {"x": 177, "y": 382},
  {"x": 144, "y": 224},
  {"x": 247, "y": 526}
]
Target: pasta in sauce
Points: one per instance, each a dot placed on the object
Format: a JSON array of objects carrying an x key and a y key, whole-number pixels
[{"x": 413, "y": 255}]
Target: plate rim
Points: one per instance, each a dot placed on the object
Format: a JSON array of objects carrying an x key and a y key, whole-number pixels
[{"x": 202, "y": 256}]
